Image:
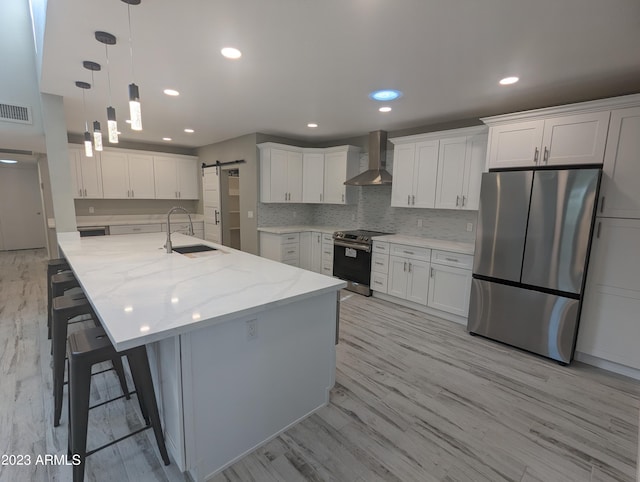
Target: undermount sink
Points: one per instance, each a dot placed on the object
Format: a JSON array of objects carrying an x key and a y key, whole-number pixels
[{"x": 194, "y": 248}]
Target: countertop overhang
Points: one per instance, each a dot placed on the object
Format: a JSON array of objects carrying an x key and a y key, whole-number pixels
[
  {"x": 142, "y": 294},
  {"x": 431, "y": 243}
]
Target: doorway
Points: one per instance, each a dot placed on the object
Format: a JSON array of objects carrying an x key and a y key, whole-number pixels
[
  {"x": 230, "y": 206},
  {"x": 21, "y": 219}
]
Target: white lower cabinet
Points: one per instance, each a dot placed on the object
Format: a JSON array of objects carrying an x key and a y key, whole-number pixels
[
  {"x": 327, "y": 255},
  {"x": 610, "y": 321},
  {"x": 408, "y": 276},
  {"x": 311, "y": 251},
  {"x": 449, "y": 289},
  {"x": 281, "y": 247}
]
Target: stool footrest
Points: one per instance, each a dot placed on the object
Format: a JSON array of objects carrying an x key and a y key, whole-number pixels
[
  {"x": 110, "y": 400},
  {"x": 113, "y": 442}
]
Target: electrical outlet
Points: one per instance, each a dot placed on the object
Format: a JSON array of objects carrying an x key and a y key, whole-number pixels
[
  {"x": 91, "y": 210},
  {"x": 250, "y": 214},
  {"x": 419, "y": 223},
  {"x": 353, "y": 217},
  {"x": 469, "y": 227},
  {"x": 252, "y": 330}
]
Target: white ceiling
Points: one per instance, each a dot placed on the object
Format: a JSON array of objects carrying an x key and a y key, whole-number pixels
[{"x": 316, "y": 61}]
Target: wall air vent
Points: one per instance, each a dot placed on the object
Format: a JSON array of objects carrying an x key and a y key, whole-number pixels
[{"x": 15, "y": 113}]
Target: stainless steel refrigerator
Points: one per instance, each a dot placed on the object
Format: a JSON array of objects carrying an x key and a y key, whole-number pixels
[{"x": 532, "y": 249}]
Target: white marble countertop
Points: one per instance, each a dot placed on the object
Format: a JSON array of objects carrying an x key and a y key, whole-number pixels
[
  {"x": 442, "y": 244},
  {"x": 126, "y": 219},
  {"x": 142, "y": 294},
  {"x": 300, "y": 229}
]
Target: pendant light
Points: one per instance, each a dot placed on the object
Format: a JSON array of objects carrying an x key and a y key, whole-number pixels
[
  {"x": 112, "y": 125},
  {"x": 88, "y": 150},
  {"x": 97, "y": 132},
  {"x": 134, "y": 92}
]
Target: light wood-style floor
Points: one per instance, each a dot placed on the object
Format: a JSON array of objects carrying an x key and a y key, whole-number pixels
[{"x": 416, "y": 399}]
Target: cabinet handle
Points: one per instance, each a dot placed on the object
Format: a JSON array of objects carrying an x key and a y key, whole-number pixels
[
  {"x": 80, "y": 192},
  {"x": 464, "y": 200},
  {"x": 409, "y": 267},
  {"x": 179, "y": 194},
  {"x": 343, "y": 198},
  {"x": 453, "y": 260},
  {"x": 85, "y": 193},
  {"x": 176, "y": 194},
  {"x": 379, "y": 263},
  {"x": 602, "y": 205},
  {"x": 457, "y": 200},
  {"x": 408, "y": 252},
  {"x": 408, "y": 199},
  {"x": 545, "y": 157},
  {"x": 405, "y": 266},
  {"x": 431, "y": 273},
  {"x": 320, "y": 197},
  {"x": 413, "y": 200},
  {"x": 599, "y": 229},
  {"x": 377, "y": 282},
  {"x": 290, "y": 252},
  {"x": 132, "y": 195},
  {"x": 215, "y": 216},
  {"x": 535, "y": 156}
]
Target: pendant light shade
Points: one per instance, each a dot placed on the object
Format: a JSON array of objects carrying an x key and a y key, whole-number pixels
[
  {"x": 135, "y": 112},
  {"x": 97, "y": 136},
  {"x": 88, "y": 149},
  {"x": 112, "y": 125},
  {"x": 134, "y": 107}
]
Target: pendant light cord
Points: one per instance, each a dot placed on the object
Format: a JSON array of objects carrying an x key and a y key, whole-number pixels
[
  {"x": 84, "y": 112},
  {"x": 106, "y": 51},
  {"x": 130, "y": 41}
]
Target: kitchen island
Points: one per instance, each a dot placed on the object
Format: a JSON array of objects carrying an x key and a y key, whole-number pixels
[{"x": 241, "y": 347}]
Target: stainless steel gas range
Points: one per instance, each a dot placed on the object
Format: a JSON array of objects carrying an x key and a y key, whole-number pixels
[{"x": 352, "y": 258}]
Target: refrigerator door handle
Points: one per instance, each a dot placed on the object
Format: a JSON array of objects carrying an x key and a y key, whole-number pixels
[{"x": 599, "y": 229}]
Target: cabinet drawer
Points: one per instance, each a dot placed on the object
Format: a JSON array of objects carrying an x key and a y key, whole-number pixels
[
  {"x": 380, "y": 247},
  {"x": 327, "y": 268},
  {"x": 327, "y": 252},
  {"x": 290, "y": 252},
  {"x": 327, "y": 238},
  {"x": 380, "y": 263},
  {"x": 379, "y": 282},
  {"x": 412, "y": 252},
  {"x": 135, "y": 229},
  {"x": 448, "y": 258},
  {"x": 290, "y": 238}
]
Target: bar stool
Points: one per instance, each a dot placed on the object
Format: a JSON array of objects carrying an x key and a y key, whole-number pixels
[
  {"x": 59, "y": 283},
  {"x": 85, "y": 349},
  {"x": 64, "y": 308},
  {"x": 54, "y": 266}
]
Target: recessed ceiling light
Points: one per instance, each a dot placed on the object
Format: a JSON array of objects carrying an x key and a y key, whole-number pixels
[
  {"x": 8, "y": 161},
  {"x": 312, "y": 124},
  {"x": 509, "y": 80},
  {"x": 385, "y": 109},
  {"x": 231, "y": 53},
  {"x": 189, "y": 131},
  {"x": 167, "y": 139},
  {"x": 171, "y": 92},
  {"x": 385, "y": 95}
]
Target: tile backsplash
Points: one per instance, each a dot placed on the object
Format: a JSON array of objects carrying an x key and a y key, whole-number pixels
[{"x": 373, "y": 211}]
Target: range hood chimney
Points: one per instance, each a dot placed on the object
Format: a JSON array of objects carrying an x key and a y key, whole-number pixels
[{"x": 376, "y": 175}]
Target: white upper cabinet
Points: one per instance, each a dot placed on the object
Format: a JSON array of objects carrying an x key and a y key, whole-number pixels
[
  {"x": 280, "y": 173},
  {"x": 620, "y": 196},
  {"x": 313, "y": 177},
  {"x": 439, "y": 169},
  {"x": 547, "y": 137},
  {"x": 127, "y": 176},
  {"x": 175, "y": 177},
  {"x": 307, "y": 175},
  {"x": 340, "y": 164},
  {"x": 86, "y": 176},
  {"x": 415, "y": 167}
]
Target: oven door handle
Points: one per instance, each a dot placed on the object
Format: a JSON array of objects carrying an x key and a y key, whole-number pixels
[{"x": 359, "y": 247}]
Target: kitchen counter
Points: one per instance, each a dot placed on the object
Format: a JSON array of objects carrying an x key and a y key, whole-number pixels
[
  {"x": 441, "y": 244},
  {"x": 127, "y": 219},
  {"x": 241, "y": 347},
  {"x": 300, "y": 229}
]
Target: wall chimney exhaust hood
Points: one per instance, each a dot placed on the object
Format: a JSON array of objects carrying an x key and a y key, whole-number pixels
[{"x": 376, "y": 175}]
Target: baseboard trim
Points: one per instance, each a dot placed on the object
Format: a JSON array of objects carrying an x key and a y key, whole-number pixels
[{"x": 607, "y": 365}]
